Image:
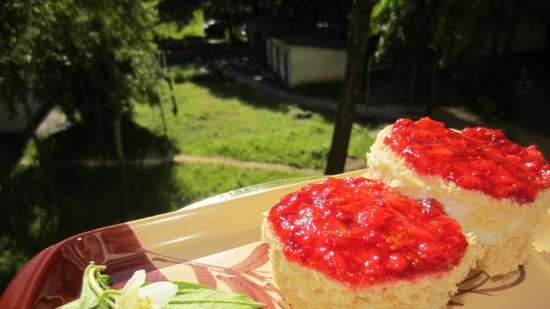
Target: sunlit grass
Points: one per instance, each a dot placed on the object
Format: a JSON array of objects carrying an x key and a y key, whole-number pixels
[
  {"x": 170, "y": 30},
  {"x": 220, "y": 117}
]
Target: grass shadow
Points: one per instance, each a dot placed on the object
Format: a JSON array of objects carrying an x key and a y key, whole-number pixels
[
  {"x": 386, "y": 102},
  {"x": 12, "y": 147},
  {"x": 226, "y": 88},
  {"x": 138, "y": 143},
  {"x": 39, "y": 210},
  {"x": 41, "y": 205},
  {"x": 324, "y": 90},
  {"x": 192, "y": 50}
]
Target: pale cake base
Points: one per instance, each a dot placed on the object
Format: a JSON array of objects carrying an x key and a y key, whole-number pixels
[
  {"x": 305, "y": 288},
  {"x": 504, "y": 227}
]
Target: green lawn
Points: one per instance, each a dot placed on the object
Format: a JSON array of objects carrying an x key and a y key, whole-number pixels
[
  {"x": 170, "y": 30},
  {"x": 220, "y": 117}
]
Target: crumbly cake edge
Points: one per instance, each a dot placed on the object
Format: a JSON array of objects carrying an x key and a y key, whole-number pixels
[{"x": 306, "y": 288}]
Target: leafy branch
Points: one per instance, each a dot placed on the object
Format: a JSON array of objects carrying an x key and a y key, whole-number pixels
[{"x": 137, "y": 294}]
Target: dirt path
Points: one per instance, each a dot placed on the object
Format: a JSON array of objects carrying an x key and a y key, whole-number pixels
[
  {"x": 325, "y": 105},
  {"x": 457, "y": 117},
  {"x": 351, "y": 163},
  {"x": 181, "y": 158},
  {"x": 244, "y": 164}
]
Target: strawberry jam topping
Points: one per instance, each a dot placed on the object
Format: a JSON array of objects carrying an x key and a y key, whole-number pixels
[
  {"x": 474, "y": 159},
  {"x": 360, "y": 232}
]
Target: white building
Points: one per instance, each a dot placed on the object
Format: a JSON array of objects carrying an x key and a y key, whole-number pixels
[{"x": 300, "y": 61}]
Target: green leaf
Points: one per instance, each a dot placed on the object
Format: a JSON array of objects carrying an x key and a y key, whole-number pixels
[
  {"x": 96, "y": 294},
  {"x": 188, "y": 285},
  {"x": 93, "y": 285},
  {"x": 103, "y": 280},
  {"x": 103, "y": 305},
  {"x": 196, "y": 296},
  {"x": 89, "y": 298}
]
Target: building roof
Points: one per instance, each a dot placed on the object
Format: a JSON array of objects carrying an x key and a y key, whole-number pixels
[{"x": 313, "y": 41}]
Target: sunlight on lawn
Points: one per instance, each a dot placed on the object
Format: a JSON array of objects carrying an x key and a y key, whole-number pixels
[
  {"x": 170, "y": 30},
  {"x": 219, "y": 117}
]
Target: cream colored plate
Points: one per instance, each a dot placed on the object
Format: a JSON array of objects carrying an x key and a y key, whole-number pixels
[{"x": 217, "y": 242}]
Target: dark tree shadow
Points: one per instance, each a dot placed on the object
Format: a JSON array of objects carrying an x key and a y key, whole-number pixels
[
  {"x": 226, "y": 88},
  {"x": 387, "y": 100},
  {"x": 80, "y": 142},
  {"x": 196, "y": 49},
  {"x": 11, "y": 150},
  {"x": 39, "y": 207}
]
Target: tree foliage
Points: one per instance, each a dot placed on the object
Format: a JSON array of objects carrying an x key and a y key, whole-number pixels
[
  {"x": 313, "y": 10},
  {"x": 87, "y": 56},
  {"x": 451, "y": 28},
  {"x": 14, "y": 57},
  {"x": 178, "y": 11},
  {"x": 403, "y": 27}
]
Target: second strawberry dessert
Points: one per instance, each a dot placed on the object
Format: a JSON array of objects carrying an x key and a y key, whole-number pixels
[{"x": 495, "y": 188}]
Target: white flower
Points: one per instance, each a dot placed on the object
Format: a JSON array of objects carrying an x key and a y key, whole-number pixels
[{"x": 151, "y": 296}]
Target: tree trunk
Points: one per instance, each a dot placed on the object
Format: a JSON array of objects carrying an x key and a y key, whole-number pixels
[
  {"x": 368, "y": 92},
  {"x": 45, "y": 167},
  {"x": 170, "y": 86},
  {"x": 434, "y": 86},
  {"x": 32, "y": 126},
  {"x": 254, "y": 6},
  {"x": 117, "y": 135},
  {"x": 351, "y": 89},
  {"x": 100, "y": 142},
  {"x": 412, "y": 82}
]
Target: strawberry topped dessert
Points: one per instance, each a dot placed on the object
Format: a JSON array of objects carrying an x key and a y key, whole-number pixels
[
  {"x": 495, "y": 188},
  {"x": 356, "y": 243}
]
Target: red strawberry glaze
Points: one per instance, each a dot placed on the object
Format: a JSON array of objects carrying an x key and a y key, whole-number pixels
[
  {"x": 359, "y": 232},
  {"x": 479, "y": 158}
]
